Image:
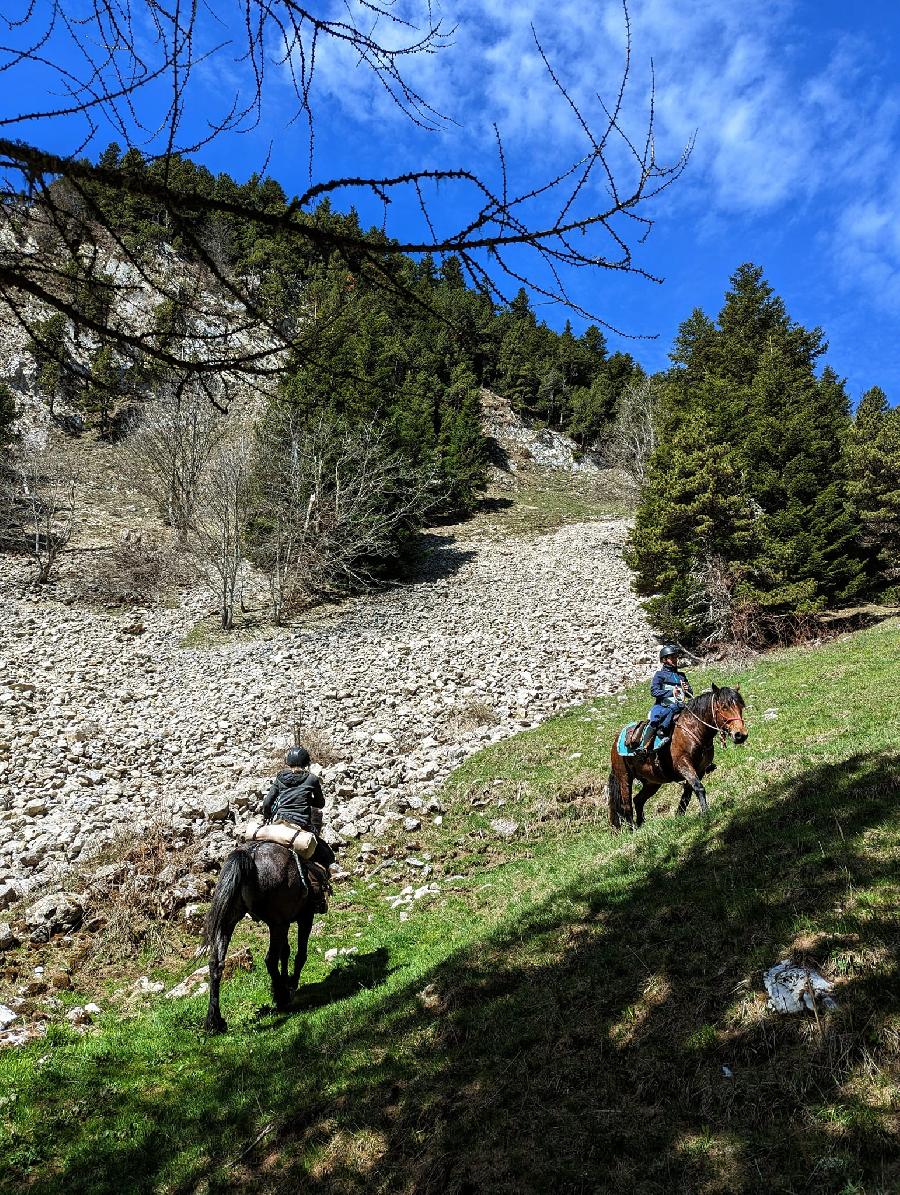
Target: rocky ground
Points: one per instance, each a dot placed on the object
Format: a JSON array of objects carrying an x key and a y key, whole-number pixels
[{"x": 107, "y": 720}]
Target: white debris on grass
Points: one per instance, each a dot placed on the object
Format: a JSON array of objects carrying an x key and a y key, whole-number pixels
[
  {"x": 793, "y": 988},
  {"x": 194, "y": 985},
  {"x": 402, "y": 900},
  {"x": 335, "y": 954}
]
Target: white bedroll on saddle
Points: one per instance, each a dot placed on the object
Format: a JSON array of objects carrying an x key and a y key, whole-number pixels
[{"x": 289, "y": 834}]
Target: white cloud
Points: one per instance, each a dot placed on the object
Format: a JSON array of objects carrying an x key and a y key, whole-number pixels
[
  {"x": 778, "y": 131},
  {"x": 867, "y": 245}
]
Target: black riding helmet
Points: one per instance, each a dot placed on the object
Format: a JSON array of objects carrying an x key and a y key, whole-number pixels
[
  {"x": 297, "y": 757},
  {"x": 670, "y": 649}
]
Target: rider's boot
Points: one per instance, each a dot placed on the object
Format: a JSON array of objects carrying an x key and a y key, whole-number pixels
[{"x": 322, "y": 888}]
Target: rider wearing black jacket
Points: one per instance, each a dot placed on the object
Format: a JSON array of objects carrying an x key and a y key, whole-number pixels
[
  {"x": 295, "y": 792},
  {"x": 295, "y": 796}
]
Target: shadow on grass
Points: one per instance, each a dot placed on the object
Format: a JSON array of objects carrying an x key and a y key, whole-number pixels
[
  {"x": 582, "y": 1049},
  {"x": 353, "y": 974},
  {"x": 359, "y": 971}
]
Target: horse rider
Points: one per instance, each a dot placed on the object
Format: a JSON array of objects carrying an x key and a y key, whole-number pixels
[
  {"x": 294, "y": 799},
  {"x": 670, "y": 689}
]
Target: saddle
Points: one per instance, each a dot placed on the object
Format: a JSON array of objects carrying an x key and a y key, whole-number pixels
[
  {"x": 634, "y": 734},
  {"x": 314, "y": 856}
]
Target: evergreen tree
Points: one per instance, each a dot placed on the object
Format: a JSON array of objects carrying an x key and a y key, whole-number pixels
[
  {"x": 874, "y": 465},
  {"x": 7, "y": 420},
  {"x": 775, "y": 432},
  {"x": 50, "y": 352},
  {"x": 101, "y": 392},
  {"x": 695, "y": 516},
  {"x": 463, "y": 448}
]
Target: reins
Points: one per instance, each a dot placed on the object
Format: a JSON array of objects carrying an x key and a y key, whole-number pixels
[{"x": 712, "y": 725}]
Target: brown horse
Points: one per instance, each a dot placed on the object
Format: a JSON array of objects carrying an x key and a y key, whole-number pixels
[
  {"x": 261, "y": 879},
  {"x": 684, "y": 760}
]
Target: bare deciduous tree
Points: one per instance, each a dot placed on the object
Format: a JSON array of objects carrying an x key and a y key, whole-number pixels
[
  {"x": 173, "y": 439},
  {"x": 332, "y": 506},
  {"x": 45, "y": 504},
  {"x": 633, "y": 437},
  {"x": 220, "y": 519},
  {"x": 133, "y": 71}
]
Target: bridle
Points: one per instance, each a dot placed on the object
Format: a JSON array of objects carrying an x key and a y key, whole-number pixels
[{"x": 723, "y": 730}]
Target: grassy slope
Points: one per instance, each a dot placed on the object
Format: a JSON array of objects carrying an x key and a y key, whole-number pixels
[{"x": 561, "y": 1018}]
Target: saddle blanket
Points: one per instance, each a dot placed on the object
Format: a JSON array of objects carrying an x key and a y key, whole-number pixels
[
  {"x": 622, "y": 746},
  {"x": 288, "y": 834}
]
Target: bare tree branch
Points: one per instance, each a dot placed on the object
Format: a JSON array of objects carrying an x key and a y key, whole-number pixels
[{"x": 133, "y": 70}]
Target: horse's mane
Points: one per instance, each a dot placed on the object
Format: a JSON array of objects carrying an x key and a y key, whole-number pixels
[{"x": 702, "y": 704}]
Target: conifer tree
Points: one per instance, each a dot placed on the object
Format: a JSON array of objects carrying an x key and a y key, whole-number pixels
[
  {"x": 7, "y": 420},
  {"x": 101, "y": 392},
  {"x": 774, "y": 434},
  {"x": 50, "y": 352},
  {"x": 463, "y": 448},
  {"x": 874, "y": 462}
]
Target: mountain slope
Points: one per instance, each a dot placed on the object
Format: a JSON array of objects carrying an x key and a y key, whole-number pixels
[{"x": 569, "y": 1010}]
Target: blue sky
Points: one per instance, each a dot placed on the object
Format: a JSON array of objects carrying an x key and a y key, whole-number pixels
[{"x": 796, "y": 167}]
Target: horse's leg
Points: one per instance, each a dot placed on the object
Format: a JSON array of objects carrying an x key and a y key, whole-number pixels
[
  {"x": 284, "y": 956},
  {"x": 304, "y": 928},
  {"x": 279, "y": 948},
  {"x": 695, "y": 784},
  {"x": 227, "y": 908},
  {"x": 686, "y": 793},
  {"x": 648, "y": 789}
]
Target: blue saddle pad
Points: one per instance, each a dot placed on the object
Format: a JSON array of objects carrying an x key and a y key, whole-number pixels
[{"x": 620, "y": 746}]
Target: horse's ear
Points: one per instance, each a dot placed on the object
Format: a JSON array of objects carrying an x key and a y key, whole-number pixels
[{"x": 715, "y": 688}]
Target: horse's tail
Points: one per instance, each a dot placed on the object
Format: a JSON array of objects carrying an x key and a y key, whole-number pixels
[
  {"x": 237, "y": 870},
  {"x": 614, "y": 799}
]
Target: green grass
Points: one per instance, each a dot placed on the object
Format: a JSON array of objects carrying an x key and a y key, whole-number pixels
[
  {"x": 560, "y": 1018},
  {"x": 541, "y": 500}
]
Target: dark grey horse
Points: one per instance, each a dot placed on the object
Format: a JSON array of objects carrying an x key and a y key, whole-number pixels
[{"x": 261, "y": 879}]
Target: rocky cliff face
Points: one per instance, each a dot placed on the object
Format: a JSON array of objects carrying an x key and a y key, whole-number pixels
[{"x": 524, "y": 446}]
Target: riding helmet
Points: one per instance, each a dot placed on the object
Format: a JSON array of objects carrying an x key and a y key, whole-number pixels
[
  {"x": 297, "y": 757},
  {"x": 669, "y": 649}
]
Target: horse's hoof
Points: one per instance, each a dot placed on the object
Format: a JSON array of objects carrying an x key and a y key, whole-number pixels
[{"x": 215, "y": 1025}]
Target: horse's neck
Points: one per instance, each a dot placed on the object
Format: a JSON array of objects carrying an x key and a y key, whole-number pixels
[{"x": 706, "y": 727}]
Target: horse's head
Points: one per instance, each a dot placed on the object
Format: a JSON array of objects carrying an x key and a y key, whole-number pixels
[{"x": 729, "y": 712}]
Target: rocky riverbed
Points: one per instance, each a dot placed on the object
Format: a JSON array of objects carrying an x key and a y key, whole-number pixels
[{"x": 109, "y": 720}]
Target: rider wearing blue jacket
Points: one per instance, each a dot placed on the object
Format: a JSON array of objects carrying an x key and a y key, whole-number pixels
[{"x": 670, "y": 689}]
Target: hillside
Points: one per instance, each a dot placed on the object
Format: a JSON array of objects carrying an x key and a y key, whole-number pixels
[{"x": 561, "y": 1008}]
